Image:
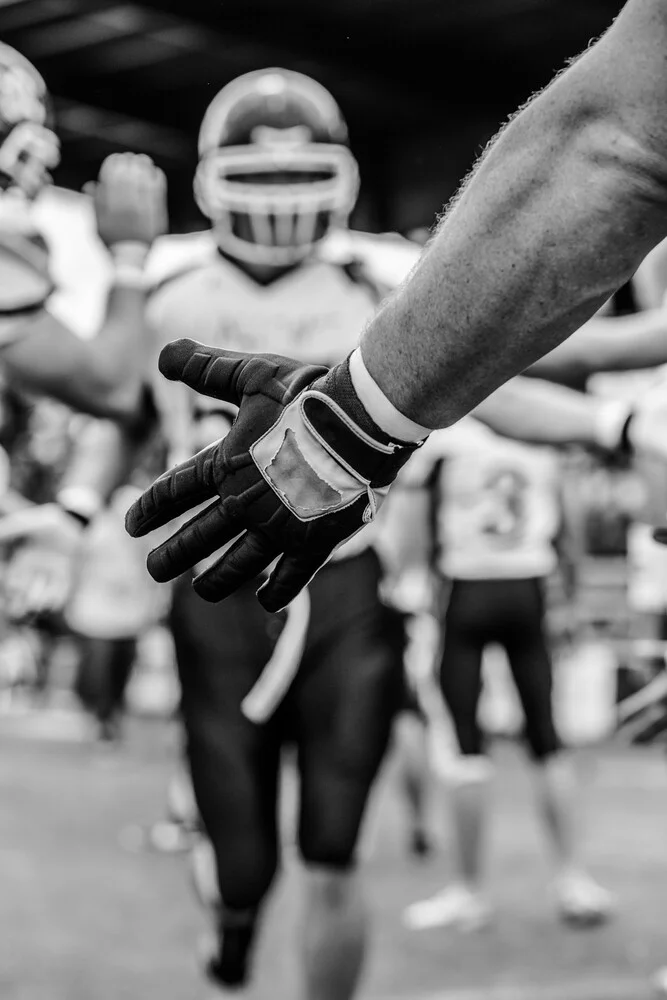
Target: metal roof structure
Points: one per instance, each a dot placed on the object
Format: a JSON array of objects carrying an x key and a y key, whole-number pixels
[{"x": 423, "y": 83}]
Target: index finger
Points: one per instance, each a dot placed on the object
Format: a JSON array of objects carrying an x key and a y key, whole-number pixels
[
  {"x": 174, "y": 493},
  {"x": 209, "y": 370}
]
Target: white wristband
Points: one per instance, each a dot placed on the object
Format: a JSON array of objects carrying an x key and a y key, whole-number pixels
[
  {"x": 129, "y": 258},
  {"x": 610, "y": 418},
  {"x": 379, "y": 408},
  {"x": 80, "y": 500}
]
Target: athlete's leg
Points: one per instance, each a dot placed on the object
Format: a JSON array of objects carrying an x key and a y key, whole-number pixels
[
  {"x": 220, "y": 650},
  {"x": 558, "y": 793},
  {"x": 461, "y": 902},
  {"x": 344, "y": 700},
  {"x": 411, "y": 741}
]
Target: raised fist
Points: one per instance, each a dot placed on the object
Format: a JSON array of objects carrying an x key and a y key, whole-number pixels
[{"x": 130, "y": 199}]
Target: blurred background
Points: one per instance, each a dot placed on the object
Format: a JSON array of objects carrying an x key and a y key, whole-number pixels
[
  {"x": 94, "y": 894},
  {"x": 423, "y": 84}
]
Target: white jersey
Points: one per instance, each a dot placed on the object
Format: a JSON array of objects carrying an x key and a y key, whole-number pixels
[
  {"x": 497, "y": 505},
  {"x": 314, "y": 313}
]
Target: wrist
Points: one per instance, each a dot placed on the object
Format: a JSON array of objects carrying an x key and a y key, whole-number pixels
[
  {"x": 611, "y": 424},
  {"x": 80, "y": 502},
  {"x": 129, "y": 260},
  {"x": 379, "y": 407}
]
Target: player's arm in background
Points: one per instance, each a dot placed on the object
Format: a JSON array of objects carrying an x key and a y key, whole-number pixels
[
  {"x": 103, "y": 376},
  {"x": 606, "y": 344},
  {"x": 41, "y": 573},
  {"x": 558, "y": 213},
  {"x": 540, "y": 412}
]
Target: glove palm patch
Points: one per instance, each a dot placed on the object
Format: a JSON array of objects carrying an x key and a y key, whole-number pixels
[
  {"x": 310, "y": 479},
  {"x": 297, "y": 482}
]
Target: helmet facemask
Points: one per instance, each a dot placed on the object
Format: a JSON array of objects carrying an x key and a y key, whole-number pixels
[{"x": 271, "y": 202}]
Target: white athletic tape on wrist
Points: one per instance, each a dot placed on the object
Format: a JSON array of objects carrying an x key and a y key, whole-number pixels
[
  {"x": 379, "y": 408},
  {"x": 610, "y": 418},
  {"x": 129, "y": 259}
]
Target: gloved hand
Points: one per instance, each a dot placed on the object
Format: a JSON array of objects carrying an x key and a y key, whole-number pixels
[{"x": 302, "y": 469}]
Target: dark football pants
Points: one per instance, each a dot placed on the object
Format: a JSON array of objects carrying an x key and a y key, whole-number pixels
[
  {"x": 511, "y": 614},
  {"x": 338, "y": 713}
]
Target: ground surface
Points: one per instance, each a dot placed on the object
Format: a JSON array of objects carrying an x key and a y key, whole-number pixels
[{"x": 83, "y": 919}]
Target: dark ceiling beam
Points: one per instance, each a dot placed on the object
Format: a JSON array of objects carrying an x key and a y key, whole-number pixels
[
  {"x": 76, "y": 34},
  {"x": 17, "y": 15},
  {"x": 79, "y": 120}
]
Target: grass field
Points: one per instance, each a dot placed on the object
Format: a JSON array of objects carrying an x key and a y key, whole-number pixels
[{"x": 82, "y": 919}]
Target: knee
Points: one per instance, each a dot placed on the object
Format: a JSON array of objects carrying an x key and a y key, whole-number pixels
[
  {"x": 543, "y": 742},
  {"x": 328, "y": 846},
  {"x": 231, "y": 878},
  {"x": 332, "y": 888}
]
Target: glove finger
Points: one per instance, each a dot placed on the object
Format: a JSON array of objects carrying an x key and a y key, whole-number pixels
[
  {"x": 241, "y": 563},
  {"x": 194, "y": 541},
  {"x": 176, "y": 492},
  {"x": 288, "y": 579},
  {"x": 208, "y": 370}
]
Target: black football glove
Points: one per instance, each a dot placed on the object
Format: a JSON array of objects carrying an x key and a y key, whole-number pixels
[{"x": 301, "y": 470}]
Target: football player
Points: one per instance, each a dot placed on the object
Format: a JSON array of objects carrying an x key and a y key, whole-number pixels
[
  {"x": 557, "y": 214},
  {"x": 101, "y": 376},
  {"x": 278, "y": 181}
]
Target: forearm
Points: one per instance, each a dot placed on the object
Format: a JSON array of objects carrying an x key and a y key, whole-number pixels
[
  {"x": 540, "y": 413},
  {"x": 405, "y": 530},
  {"x": 606, "y": 344},
  {"x": 559, "y": 212},
  {"x": 103, "y": 458},
  {"x": 103, "y": 376}
]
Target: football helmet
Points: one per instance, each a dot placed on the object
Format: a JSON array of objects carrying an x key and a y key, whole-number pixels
[
  {"x": 275, "y": 174},
  {"x": 29, "y": 149}
]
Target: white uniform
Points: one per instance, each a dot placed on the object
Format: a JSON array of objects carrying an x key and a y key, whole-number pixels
[
  {"x": 314, "y": 313},
  {"x": 498, "y": 509}
]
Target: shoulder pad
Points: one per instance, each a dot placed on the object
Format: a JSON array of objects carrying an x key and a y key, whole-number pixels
[
  {"x": 25, "y": 281},
  {"x": 173, "y": 256},
  {"x": 386, "y": 258}
]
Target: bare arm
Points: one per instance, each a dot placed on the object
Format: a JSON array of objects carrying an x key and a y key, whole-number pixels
[
  {"x": 103, "y": 458},
  {"x": 541, "y": 413},
  {"x": 103, "y": 376},
  {"x": 557, "y": 215},
  {"x": 606, "y": 344}
]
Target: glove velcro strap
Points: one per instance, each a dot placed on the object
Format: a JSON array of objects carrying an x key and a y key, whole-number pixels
[{"x": 319, "y": 462}]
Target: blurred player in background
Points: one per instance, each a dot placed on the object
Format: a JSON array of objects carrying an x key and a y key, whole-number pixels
[
  {"x": 38, "y": 354},
  {"x": 102, "y": 376},
  {"x": 495, "y": 511},
  {"x": 276, "y": 178},
  {"x": 276, "y": 273}
]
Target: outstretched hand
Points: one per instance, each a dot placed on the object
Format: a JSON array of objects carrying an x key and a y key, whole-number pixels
[{"x": 295, "y": 476}]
